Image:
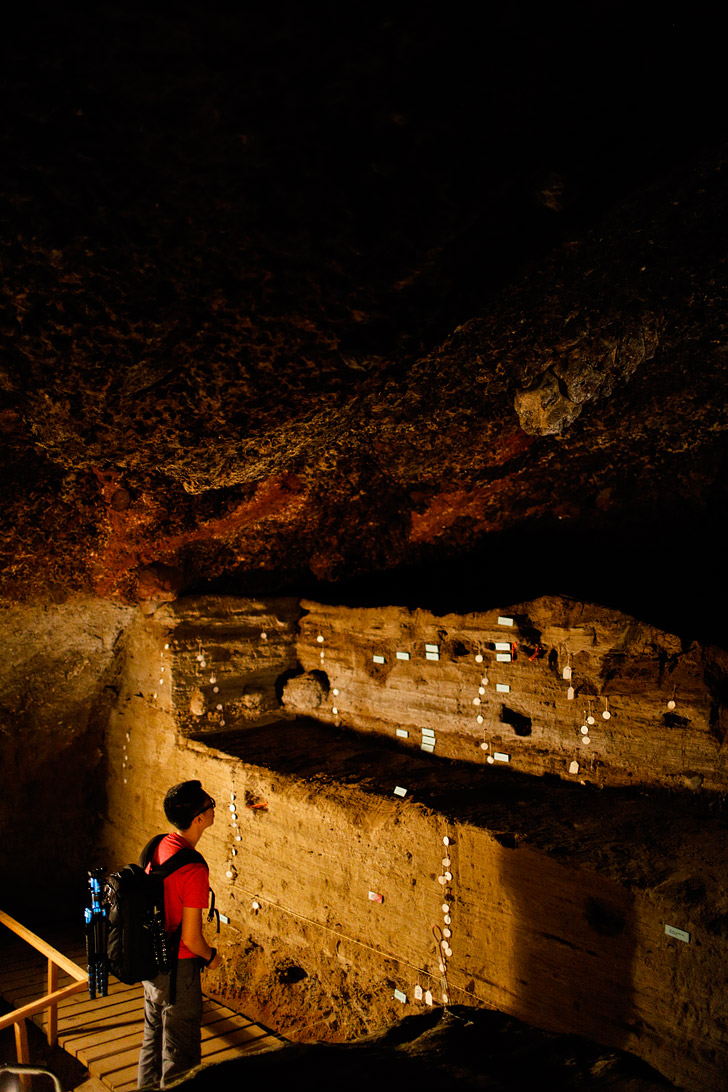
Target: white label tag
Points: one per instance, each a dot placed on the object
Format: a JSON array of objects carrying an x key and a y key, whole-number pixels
[
  {"x": 503, "y": 657},
  {"x": 430, "y": 747},
  {"x": 418, "y": 993},
  {"x": 502, "y": 688},
  {"x": 403, "y": 655},
  {"x": 403, "y": 733},
  {"x": 428, "y": 732},
  {"x": 432, "y": 656},
  {"x": 678, "y": 934},
  {"x": 500, "y": 757},
  {"x": 573, "y": 767},
  {"x": 399, "y": 996},
  {"x": 378, "y": 659},
  {"x": 399, "y": 791},
  {"x": 224, "y": 919},
  {"x": 432, "y": 648},
  {"x": 374, "y": 897},
  {"x": 428, "y": 998},
  {"x": 505, "y": 621},
  {"x": 503, "y": 646}
]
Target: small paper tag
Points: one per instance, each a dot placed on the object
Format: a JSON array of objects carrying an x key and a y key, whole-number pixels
[
  {"x": 399, "y": 791},
  {"x": 378, "y": 659},
  {"x": 428, "y": 732},
  {"x": 374, "y": 897},
  {"x": 432, "y": 656},
  {"x": 503, "y": 657},
  {"x": 403, "y": 733},
  {"x": 429, "y": 747},
  {"x": 418, "y": 993},
  {"x": 678, "y": 934},
  {"x": 403, "y": 655},
  {"x": 432, "y": 648},
  {"x": 573, "y": 767},
  {"x": 428, "y": 997},
  {"x": 499, "y": 756},
  {"x": 399, "y": 996},
  {"x": 503, "y": 646},
  {"x": 502, "y": 688},
  {"x": 505, "y": 621},
  {"x": 224, "y": 919}
]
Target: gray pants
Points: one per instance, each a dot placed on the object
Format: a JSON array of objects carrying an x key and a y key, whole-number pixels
[{"x": 171, "y": 1043}]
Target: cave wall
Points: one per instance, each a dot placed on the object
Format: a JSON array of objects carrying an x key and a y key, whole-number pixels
[
  {"x": 57, "y": 684},
  {"x": 528, "y": 685},
  {"x": 333, "y": 885}
]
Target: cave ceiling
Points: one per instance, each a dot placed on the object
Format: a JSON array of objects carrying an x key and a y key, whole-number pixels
[{"x": 374, "y": 298}]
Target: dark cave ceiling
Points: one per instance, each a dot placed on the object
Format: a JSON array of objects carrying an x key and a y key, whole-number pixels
[{"x": 392, "y": 301}]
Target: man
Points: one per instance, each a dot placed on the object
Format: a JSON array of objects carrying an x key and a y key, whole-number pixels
[{"x": 171, "y": 1043}]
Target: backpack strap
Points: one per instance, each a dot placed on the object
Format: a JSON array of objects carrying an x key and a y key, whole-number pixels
[{"x": 148, "y": 852}]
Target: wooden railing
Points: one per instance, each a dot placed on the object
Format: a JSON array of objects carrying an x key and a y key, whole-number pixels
[{"x": 50, "y": 1000}]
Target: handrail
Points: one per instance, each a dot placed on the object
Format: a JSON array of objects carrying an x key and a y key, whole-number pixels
[{"x": 49, "y": 1000}]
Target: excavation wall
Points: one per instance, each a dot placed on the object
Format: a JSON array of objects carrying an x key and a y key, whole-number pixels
[
  {"x": 601, "y": 913},
  {"x": 57, "y": 685}
]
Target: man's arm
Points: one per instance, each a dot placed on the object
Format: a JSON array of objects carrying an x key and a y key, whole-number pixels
[{"x": 192, "y": 936}]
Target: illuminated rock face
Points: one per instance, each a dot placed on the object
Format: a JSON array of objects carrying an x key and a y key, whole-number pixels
[{"x": 573, "y": 910}]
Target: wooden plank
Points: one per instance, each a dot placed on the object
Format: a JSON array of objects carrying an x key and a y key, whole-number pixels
[
  {"x": 21, "y": 1043},
  {"x": 52, "y": 1028},
  {"x": 212, "y": 1047},
  {"x": 90, "y": 1038},
  {"x": 38, "y": 1006},
  {"x": 91, "y": 1053},
  {"x": 122, "y": 1011},
  {"x": 107, "y": 1066},
  {"x": 258, "y": 1046}
]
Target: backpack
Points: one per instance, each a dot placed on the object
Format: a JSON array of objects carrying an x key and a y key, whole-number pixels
[{"x": 137, "y": 946}]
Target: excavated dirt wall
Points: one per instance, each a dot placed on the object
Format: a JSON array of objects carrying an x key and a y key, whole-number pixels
[
  {"x": 57, "y": 685},
  {"x": 559, "y": 895},
  {"x": 551, "y": 686}
]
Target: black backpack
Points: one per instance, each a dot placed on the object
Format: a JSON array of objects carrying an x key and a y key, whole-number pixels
[{"x": 137, "y": 946}]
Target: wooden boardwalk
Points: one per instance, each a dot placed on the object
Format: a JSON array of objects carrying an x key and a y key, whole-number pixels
[{"x": 106, "y": 1034}]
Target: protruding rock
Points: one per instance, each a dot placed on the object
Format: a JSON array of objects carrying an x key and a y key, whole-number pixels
[
  {"x": 303, "y": 693},
  {"x": 157, "y": 584}
]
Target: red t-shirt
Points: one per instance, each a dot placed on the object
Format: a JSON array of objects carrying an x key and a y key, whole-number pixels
[{"x": 188, "y": 886}]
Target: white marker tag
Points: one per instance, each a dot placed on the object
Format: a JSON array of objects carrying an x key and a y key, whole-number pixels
[
  {"x": 374, "y": 897},
  {"x": 399, "y": 996},
  {"x": 573, "y": 767},
  {"x": 403, "y": 655},
  {"x": 678, "y": 934},
  {"x": 505, "y": 621},
  {"x": 566, "y": 673},
  {"x": 432, "y": 648},
  {"x": 428, "y": 998},
  {"x": 378, "y": 659},
  {"x": 502, "y": 688},
  {"x": 478, "y": 658},
  {"x": 428, "y": 732},
  {"x": 403, "y": 733},
  {"x": 429, "y": 747},
  {"x": 432, "y": 656},
  {"x": 503, "y": 657},
  {"x": 570, "y": 694},
  {"x": 399, "y": 791},
  {"x": 500, "y": 757},
  {"x": 225, "y": 920},
  {"x": 503, "y": 646},
  {"x": 418, "y": 993}
]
